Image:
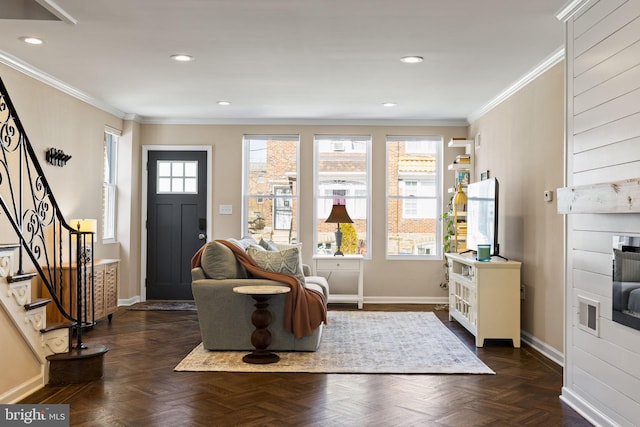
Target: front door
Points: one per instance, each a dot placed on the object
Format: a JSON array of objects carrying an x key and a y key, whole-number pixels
[{"x": 176, "y": 220}]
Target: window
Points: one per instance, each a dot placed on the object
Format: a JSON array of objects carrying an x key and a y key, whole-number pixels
[
  {"x": 270, "y": 187},
  {"x": 342, "y": 165},
  {"x": 413, "y": 196},
  {"x": 109, "y": 152}
]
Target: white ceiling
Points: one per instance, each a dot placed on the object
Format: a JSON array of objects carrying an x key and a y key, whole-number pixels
[{"x": 287, "y": 60}]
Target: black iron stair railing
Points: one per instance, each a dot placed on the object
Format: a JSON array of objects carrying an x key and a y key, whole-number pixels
[{"x": 48, "y": 243}]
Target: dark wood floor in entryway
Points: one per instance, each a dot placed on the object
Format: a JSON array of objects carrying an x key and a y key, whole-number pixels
[{"x": 141, "y": 389}]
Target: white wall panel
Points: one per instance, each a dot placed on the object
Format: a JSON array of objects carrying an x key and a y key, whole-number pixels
[
  {"x": 591, "y": 15},
  {"x": 603, "y": 145},
  {"x": 620, "y": 408},
  {"x": 619, "y": 38},
  {"x": 608, "y": 174},
  {"x": 605, "y": 156},
  {"x": 609, "y": 111},
  {"x": 620, "y": 130},
  {"x": 615, "y": 87},
  {"x": 601, "y": 30},
  {"x": 618, "y": 63}
]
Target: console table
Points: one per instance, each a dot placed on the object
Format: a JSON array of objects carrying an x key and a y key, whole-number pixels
[
  {"x": 484, "y": 297},
  {"x": 261, "y": 319},
  {"x": 345, "y": 276},
  {"x": 100, "y": 303}
]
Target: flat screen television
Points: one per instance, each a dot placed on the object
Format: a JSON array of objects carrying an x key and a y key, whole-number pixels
[{"x": 482, "y": 215}]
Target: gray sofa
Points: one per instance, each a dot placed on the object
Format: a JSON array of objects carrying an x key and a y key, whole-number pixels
[{"x": 225, "y": 316}]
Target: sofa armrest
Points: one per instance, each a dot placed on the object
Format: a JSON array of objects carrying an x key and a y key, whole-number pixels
[
  {"x": 306, "y": 270},
  {"x": 197, "y": 273}
]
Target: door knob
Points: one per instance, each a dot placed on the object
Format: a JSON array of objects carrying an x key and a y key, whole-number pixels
[{"x": 202, "y": 236}]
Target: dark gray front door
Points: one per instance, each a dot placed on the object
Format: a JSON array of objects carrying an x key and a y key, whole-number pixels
[{"x": 176, "y": 220}]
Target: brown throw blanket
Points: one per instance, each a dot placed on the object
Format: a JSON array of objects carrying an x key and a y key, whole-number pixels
[{"x": 305, "y": 309}]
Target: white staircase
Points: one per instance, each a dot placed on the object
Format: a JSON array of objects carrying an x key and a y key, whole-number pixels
[{"x": 29, "y": 319}]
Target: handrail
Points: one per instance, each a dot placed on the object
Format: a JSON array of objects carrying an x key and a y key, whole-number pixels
[{"x": 32, "y": 211}]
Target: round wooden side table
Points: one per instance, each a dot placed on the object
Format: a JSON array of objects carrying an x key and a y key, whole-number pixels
[{"x": 261, "y": 319}]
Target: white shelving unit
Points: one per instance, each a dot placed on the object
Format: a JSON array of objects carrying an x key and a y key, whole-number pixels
[
  {"x": 460, "y": 216},
  {"x": 484, "y": 297}
]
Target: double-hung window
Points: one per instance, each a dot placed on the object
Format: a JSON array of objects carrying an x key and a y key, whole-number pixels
[
  {"x": 270, "y": 202},
  {"x": 109, "y": 193},
  {"x": 342, "y": 166},
  {"x": 414, "y": 176}
]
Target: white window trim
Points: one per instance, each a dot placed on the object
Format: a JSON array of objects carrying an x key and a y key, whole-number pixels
[
  {"x": 112, "y": 187},
  {"x": 316, "y": 182},
  {"x": 295, "y": 198},
  {"x": 439, "y": 197}
]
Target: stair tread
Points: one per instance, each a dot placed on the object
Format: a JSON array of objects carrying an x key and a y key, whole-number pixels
[
  {"x": 56, "y": 326},
  {"x": 20, "y": 277},
  {"x": 84, "y": 353},
  {"x": 37, "y": 303}
]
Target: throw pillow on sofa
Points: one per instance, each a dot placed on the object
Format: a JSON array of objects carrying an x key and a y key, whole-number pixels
[
  {"x": 219, "y": 262},
  {"x": 287, "y": 261}
]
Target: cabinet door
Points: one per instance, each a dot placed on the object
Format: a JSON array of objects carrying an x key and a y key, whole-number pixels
[
  {"x": 98, "y": 293},
  {"x": 111, "y": 288}
]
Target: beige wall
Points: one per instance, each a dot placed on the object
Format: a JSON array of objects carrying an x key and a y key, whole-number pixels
[
  {"x": 389, "y": 280},
  {"x": 521, "y": 144}
]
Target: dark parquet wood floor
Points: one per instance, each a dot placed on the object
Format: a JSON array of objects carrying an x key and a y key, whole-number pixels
[{"x": 141, "y": 389}]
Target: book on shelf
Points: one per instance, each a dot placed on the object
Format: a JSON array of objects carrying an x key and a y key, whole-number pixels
[
  {"x": 463, "y": 159},
  {"x": 462, "y": 177}
]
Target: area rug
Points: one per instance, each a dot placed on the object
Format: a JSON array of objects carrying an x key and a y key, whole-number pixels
[
  {"x": 362, "y": 342},
  {"x": 163, "y": 306}
]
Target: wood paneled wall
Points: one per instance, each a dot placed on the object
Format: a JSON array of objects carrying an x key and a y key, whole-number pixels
[{"x": 602, "y": 373}]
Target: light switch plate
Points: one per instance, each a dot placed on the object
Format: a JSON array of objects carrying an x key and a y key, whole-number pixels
[{"x": 226, "y": 209}]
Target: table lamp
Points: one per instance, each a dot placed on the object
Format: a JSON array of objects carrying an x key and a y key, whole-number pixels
[{"x": 338, "y": 215}]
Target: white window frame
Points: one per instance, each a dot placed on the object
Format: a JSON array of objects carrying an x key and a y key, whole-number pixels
[
  {"x": 109, "y": 186},
  {"x": 294, "y": 198},
  {"x": 354, "y": 194},
  {"x": 430, "y": 199}
]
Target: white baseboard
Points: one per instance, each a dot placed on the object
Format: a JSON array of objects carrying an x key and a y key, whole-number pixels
[
  {"x": 543, "y": 348},
  {"x": 581, "y": 406},
  {"x": 128, "y": 302},
  {"x": 406, "y": 300},
  {"x": 23, "y": 390}
]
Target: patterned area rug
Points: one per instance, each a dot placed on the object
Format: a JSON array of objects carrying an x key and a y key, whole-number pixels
[
  {"x": 362, "y": 342},
  {"x": 163, "y": 306}
]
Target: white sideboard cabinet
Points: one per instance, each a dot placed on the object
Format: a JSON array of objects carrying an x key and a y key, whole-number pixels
[{"x": 484, "y": 297}]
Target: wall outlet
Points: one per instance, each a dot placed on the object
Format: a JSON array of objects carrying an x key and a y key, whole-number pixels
[{"x": 521, "y": 291}]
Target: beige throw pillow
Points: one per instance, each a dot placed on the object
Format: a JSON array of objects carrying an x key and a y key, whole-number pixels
[{"x": 287, "y": 261}]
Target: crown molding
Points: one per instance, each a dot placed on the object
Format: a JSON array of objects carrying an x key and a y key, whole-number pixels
[
  {"x": 533, "y": 74},
  {"x": 305, "y": 122},
  {"x": 570, "y": 9},
  {"x": 48, "y": 79},
  {"x": 56, "y": 10}
]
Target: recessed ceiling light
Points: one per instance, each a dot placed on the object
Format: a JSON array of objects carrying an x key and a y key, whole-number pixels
[
  {"x": 181, "y": 57},
  {"x": 32, "y": 40},
  {"x": 224, "y": 103},
  {"x": 389, "y": 104},
  {"x": 412, "y": 59}
]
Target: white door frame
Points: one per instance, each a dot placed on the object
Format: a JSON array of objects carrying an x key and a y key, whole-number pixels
[{"x": 145, "y": 183}]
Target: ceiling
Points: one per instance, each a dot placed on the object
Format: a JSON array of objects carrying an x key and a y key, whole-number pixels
[{"x": 283, "y": 61}]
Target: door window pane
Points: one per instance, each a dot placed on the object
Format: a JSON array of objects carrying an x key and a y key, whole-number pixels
[{"x": 177, "y": 177}]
